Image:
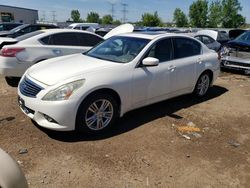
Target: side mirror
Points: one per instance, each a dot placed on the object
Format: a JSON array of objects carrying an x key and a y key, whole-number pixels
[{"x": 150, "y": 61}]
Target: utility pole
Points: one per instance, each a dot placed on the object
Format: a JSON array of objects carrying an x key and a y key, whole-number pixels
[
  {"x": 124, "y": 12},
  {"x": 112, "y": 10},
  {"x": 43, "y": 15},
  {"x": 53, "y": 16}
]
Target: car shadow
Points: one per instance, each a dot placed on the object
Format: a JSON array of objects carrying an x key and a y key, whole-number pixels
[{"x": 139, "y": 117}]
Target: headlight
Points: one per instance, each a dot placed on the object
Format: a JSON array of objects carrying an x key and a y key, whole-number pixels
[
  {"x": 224, "y": 51},
  {"x": 63, "y": 92}
]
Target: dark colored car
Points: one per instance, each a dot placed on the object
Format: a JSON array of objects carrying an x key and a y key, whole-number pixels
[
  {"x": 236, "y": 53},
  {"x": 26, "y": 28},
  {"x": 8, "y": 26},
  {"x": 234, "y": 33}
]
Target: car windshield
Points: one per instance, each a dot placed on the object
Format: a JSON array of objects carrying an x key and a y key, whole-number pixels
[
  {"x": 118, "y": 49},
  {"x": 244, "y": 37},
  {"x": 16, "y": 29},
  {"x": 28, "y": 35}
]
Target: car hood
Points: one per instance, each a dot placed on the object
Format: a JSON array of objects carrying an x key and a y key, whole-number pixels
[
  {"x": 55, "y": 70},
  {"x": 235, "y": 43}
]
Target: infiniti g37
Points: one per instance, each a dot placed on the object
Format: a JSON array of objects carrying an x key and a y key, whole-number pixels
[{"x": 89, "y": 91}]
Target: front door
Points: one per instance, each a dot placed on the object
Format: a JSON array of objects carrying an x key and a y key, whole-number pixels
[{"x": 152, "y": 83}]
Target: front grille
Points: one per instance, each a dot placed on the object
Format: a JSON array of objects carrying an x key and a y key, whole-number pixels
[
  {"x": 29, "y": 88},
  {"x": 236, "y": 63}
]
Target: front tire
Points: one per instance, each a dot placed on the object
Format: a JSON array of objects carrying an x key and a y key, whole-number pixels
[
  {"x": 202, "y": 85},
  {"x": 97, "y": 113}
]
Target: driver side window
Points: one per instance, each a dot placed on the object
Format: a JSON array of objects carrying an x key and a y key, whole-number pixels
[{"x": 162, "y": 50}]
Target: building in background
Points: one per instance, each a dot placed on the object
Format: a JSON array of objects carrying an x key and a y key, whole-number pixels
[{"x": 18, "y": 14}]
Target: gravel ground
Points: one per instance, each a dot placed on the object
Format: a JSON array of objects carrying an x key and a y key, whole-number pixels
[{"x": 182, "y": 142}]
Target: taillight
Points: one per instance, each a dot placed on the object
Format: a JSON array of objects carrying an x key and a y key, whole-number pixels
[
  {"x": 10, "y": 52},
  {"x": 219, "y": 56}
]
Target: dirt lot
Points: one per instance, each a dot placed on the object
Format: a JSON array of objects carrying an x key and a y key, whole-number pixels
[{"x": 149, "y": 147}]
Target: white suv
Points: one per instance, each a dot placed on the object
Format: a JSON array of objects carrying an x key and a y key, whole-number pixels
[{"x": 90, "y": 91}]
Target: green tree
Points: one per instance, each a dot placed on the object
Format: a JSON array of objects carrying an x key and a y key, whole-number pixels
[
  {"x": 215, "y": 14},
  {"x": 107, "y": 19},
  {"x": 75, "y": 15},
  {"x": 117, "y": 22},
  {"x": 230, "y": 14},
  {"x": 180, "y": 18},
  {"x": 198, "y": 12},
  {"x": 151, "y": 19},
  {"x": 93, "y": 17}
]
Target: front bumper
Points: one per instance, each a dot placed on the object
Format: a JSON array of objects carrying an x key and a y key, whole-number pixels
[
  {"x": 63, "y": 113},
  {"x": 235, "y": 63}
]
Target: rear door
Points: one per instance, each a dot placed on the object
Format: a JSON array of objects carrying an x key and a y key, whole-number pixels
[{"x": 187, "y": 54}]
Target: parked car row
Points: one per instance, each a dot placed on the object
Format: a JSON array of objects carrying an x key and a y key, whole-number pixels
[{"x": 78, "y": 80}]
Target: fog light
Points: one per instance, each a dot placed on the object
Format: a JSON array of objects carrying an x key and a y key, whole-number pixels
[{"x": 49, "y": 119}]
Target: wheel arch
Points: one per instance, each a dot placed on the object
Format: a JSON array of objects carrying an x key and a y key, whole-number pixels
[
  {"x": 109, "y": 91},
  {"x": 210, "y": 73}
]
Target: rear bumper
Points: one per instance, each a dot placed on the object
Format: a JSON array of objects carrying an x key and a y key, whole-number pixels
[{"x": 10, "y": 67}]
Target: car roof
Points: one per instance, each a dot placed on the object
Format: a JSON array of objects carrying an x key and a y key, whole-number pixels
[
  {"x": 51, "y": 31},
  {"x": 153, "y": 35},
  {"x": 211, "y": 33},
  {"x": 82, "y": 24}
]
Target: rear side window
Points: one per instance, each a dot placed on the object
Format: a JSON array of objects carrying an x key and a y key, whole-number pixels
[
  {"x": 184, "y": 47},
  {"x": 86, "y": 39},
  {"x": 65, "y": 39},
  {"x": 207, "y": 40},
  {"x": 46, "y": 40},
  {"x": 29, "y": 29},
  {"x": 72, "y": 39},
  {"x": 162, "y": 50}
]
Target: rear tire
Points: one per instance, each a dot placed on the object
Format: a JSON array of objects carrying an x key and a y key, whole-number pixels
[
  {"x": 202, "y": 85},
  {"x": 12, "y": 81},
  {"x": 97, "y": 113}
]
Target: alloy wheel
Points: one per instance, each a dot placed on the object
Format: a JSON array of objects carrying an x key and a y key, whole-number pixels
[
  {"x": 203, "y": 84},
  {"x": 99, "y": 114}
]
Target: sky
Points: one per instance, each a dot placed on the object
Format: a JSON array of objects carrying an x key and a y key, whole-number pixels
[{"x": 62, "y": 8}]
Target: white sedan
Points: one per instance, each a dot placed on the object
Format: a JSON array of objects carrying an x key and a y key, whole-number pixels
[
  {"x": 88, "y": 92},
  {"x": 41, "y": 45}
]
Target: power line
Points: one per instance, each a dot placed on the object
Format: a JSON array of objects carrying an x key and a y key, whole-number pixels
[
  {"x": 124, "y": 11},
  {"x": 53, "y": 16}
]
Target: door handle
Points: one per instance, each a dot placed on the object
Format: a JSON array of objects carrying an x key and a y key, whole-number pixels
[
  {"x": 57, "y": 51},
  {"x": 171, "y": 68}
]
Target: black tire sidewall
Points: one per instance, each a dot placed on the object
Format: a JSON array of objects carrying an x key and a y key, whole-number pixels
[
  {"x": 196, "y": 92},
  {"x": 80, "y": 122}
]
